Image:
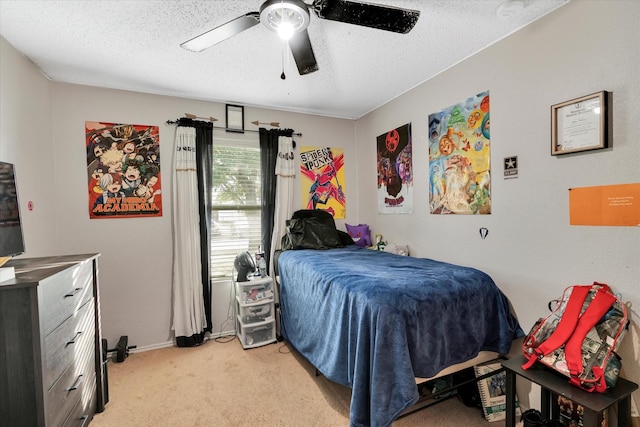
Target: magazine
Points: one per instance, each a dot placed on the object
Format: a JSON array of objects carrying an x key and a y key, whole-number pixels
[{"x": 493, "y": 392}]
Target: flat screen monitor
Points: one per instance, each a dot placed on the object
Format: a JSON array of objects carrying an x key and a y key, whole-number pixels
[{"x": 11, "y": 240}]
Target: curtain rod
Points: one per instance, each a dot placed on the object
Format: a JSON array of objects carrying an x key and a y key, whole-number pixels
[{"x": 212, "y": 119}]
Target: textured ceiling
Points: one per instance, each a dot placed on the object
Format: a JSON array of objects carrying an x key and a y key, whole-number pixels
[{"x": 135, "y": 45}]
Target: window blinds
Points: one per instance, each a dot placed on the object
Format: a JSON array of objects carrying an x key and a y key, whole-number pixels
[{"x": 236, "y": 191}]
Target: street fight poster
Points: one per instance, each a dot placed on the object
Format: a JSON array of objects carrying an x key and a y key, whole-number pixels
[
  {"x": 322, "y": 183},
  {"x": 395, "y": 171},
  {"x": 460, "y": 158},
  {"x": 123, "y": 170}
]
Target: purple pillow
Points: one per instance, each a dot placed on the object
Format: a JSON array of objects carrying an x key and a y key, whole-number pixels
[{"x": 360, "y": 234}]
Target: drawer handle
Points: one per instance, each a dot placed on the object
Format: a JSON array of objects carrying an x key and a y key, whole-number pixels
[
  {"x": 77, "y": 383},
  {"x": 73, "y": 292},
  {"x": 73, "y": 340}
]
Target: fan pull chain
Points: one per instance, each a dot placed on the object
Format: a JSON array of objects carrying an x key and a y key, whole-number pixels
[{"x": 284, "y": 44}]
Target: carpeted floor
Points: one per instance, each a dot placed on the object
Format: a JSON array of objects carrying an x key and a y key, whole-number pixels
[{"x": 220, "y": 384}]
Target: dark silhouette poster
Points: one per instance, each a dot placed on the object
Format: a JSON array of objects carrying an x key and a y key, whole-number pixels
[
  {"x": 395, "y": 171},
  {"x": 123, "y": 170}
]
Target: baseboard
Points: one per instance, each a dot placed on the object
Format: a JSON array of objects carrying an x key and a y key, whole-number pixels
[{"x": 141, "y": 349}]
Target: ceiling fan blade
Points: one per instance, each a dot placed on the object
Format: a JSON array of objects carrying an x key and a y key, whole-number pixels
[
  {"x": 302, "y": 51},
  {"x": 222, "y": 32},
  {"x": 380, "y": 17}
]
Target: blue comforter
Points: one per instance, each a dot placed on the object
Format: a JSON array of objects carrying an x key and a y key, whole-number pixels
[{"x": 374, "y": 321}]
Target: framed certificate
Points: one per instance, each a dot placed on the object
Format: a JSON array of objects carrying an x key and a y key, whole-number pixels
[
  {"x": 580, "y": 124},
  {"x": 235, "y": 118}
]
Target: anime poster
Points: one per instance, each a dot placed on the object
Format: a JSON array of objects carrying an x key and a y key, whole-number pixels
[
  {"x": 395, "y": 173},
  {"x": 459, "y": 158},
  {"x": 123, "y": 170},
  {"x": 322, "y": 172}
]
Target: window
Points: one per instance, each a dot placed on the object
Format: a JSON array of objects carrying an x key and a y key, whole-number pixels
[{"x": 236, "y": 214}]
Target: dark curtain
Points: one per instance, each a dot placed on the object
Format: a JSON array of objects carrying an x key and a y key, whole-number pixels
[
  {"x": 268, "y": 156},
  {"x": 204, "y": 155}
]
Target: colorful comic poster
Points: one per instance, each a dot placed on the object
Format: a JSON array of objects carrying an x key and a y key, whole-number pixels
[
  {"x": 459, "y": 158},
  {"x": 322, "y": 172},
  {"x": 123, "y": 170},
  {"x": 395, "y": 171}
]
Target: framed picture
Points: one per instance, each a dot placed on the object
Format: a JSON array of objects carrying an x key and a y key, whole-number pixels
[
  {"x": 235, "y": 118},
  {"x": 580, "y": 124}
]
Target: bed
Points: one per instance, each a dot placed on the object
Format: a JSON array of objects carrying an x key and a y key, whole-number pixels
[{"x": 375, "y": 321}]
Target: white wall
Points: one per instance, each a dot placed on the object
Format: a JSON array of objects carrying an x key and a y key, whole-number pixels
[
  {"x": 25, "y": 140},
  {"x": 531, "y": 251}
]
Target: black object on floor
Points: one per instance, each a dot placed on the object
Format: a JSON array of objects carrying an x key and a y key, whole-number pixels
[
  {"x": 532, "y": 418},
  {"x": 468, "y": 391},
  {"x": 122, "y": 349}
]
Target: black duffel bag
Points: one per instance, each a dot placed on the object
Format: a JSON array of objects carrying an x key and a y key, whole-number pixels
[{"x": 312, "y": 229}]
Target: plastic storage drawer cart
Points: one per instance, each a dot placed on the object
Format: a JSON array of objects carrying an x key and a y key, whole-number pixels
[{"x": 255, "y": 320}]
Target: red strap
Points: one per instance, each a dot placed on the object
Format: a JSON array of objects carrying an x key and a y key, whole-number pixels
[
  {"x": 567, "y": 323},
  {"x": 531, "y": 359},
  {"x": 600, "y": 385},
  {"x": 597, "y": 308}
]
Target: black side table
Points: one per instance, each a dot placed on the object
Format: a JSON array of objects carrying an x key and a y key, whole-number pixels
[{"x": 552, "y": 382}]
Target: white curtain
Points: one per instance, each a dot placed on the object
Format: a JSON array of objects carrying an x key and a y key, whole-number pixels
[
  {"x": 285, "y": 174},
  {"x": 188, "y": 304}
]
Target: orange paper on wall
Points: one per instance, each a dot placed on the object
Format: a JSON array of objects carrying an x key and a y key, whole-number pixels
[{"x": 605, "y": 205}]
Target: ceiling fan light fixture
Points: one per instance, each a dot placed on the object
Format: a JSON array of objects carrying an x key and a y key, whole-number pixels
[
  {"x": 285, "y": 17},
  {"x": 285, "y": 31},
  {"x": 295, "y": 15}
]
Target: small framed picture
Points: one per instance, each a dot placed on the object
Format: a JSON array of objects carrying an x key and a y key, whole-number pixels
[
  {"x": 580, "y": 124},
  {"x": 235, "y": 118}
]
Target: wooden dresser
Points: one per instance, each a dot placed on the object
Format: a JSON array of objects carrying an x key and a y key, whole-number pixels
[{"x": 51, "y": 370}]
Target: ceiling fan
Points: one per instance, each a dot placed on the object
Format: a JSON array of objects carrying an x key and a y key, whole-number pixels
[{"x": 290, "y": 18}]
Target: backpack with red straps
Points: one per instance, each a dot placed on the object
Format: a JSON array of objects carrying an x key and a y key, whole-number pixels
[{"x": 580, "y": 337}]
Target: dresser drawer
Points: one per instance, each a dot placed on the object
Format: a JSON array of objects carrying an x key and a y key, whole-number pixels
[
  {"x": 77, "y": 418},
  {"x": 82, "y": 414},
  {"x": 49, "y": 330},
  {"x": 62, "y": 294},
  {"x": 68, "y": 390},
  {"x": 69, "y": 342}
]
